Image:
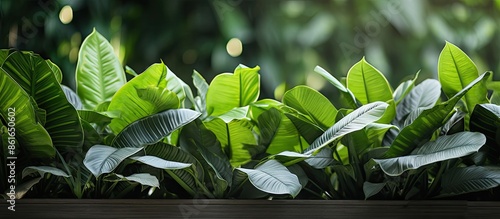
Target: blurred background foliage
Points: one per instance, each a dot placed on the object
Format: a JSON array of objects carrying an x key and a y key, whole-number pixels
[{"x": 286, "y": 38}]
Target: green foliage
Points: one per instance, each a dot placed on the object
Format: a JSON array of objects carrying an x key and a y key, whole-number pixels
[{"x": 151, "y": 138}]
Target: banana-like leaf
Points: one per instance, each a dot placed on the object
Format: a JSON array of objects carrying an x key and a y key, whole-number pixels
[
  {"x": 180, "y": 88},
  {"x": 371, "y": 189},
  {"x": 153, "y": 128},
  {"x": 99, "y": 73},
  {"x": 185, "y": 177},
  {"x": 288, "y": 158},
  {"x": 444, "y": 148},
  {"x": 424, "y": 95},
  {"x": 42, "y": 170},
  {"x": 350, "y": 98},
  {"x": 367, "y": 83},
  {"x": 462, "y": 180},
  {"x": 228, "y": 91},
  {"x": 274, "y": 178},
  {"x": 143, "y": 96},
  {"x": 144, "y": 179},
  {"x": 104, "y": 159},
  {"x": 72, "y": 97},
  {"x": 95, "y": 117},
  {"x": 277, "y": 132},
  {"x": 236, "y": 138},
  {"x": 311, "y": 103},
  {"x": 322, "y": 159},
  {"x": 56, "y": 70},
  {"x": 160, "y": 163},
  {"x": 29, "y": 133},
  {"x": 404, "y": 88},
  {"x": 3, "y": 55},
  {"x": 455, "y": 71},
  {"x": 486, "y": 119},
  {"x": 356, "y": 120},
  {"x": 35, "y": 76},
  {"x": 421, "y": 129},
  {"x": 196, "y": 138},
  {"x": 307, "y": 129}
]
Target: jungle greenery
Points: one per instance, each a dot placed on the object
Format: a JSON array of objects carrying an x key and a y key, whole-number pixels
[{"x": 154, "y": 137}]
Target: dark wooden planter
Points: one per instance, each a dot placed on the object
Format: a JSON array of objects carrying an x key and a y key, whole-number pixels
[{"x": 262, "y": 209}]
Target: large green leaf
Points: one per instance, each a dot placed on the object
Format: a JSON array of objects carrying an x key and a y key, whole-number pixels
[
  {"x": 144, "y": 179},
  {"x": 308, "y": 130},
  {"x": 444, "y": 148},
  {"x": 348, "y": 95},
  {"x": 429, "y": 120},
  {"x": 228, "y": 91},
  {"x": 367, "y": 83},
  {"x": 180, "y": 88},
  {"x": 236, "y": 138},
  {"x": 185, "y": 177},
  {"x": 311, "y": 103},
  {"x": 160, "y": 163},
  {"x": 404, "y": 88},
  {"x": 455, "y": 71},
  {"x": 272, "y": 177},
  {"x": 202, "y": 87},
  {"x": 356, "y": 120},
  {"x": 463, "y": 180},
  {"x": 29, "y": 133},
  {"x": 104, "y": 159},
  {"x": 424, "y": 95},
  {"x": 196, "y": 138},
  {"x": 41, "y": 170},
  {"x": 153, "y": 128},
  {"x": 99, "y": 73},
  {"x": 144, "y": 95},
  {"x": 72, "y": 97},
  {"x": 486, "y": 119},
  {"x": 36, "y": 77}
]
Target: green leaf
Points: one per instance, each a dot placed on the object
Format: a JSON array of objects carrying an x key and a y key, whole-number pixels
[
  {"x": 160, "y": 163},
  {"x": 29, "y": 133},
  {"x": 455, "y": 71},
  {"x": 367, "y": 83},
  {"x": 236, "y": 138},
  {"x": 422, "y": 128},
  {"x": 153, "y": 128},
  {"x": 462, "y": 180},
  {"x": 99, "y": 73},
  {"x": 322, "y": 159},
  {"x": 228, "y": 91},
  {"x": 94, "y": 117},
  {"x": 444, "y": 148},
  {"x": 356, "y": 120},
  {"x": 130, "y": 71},
  {"x": 143, "y": 96},
  {"x": 202, "y": 88},
  {"x": 311, "y": 103},
  {"x": 404, "y": 88},
  {"x": 277, "y": 132},
  {"x": 35, "y": 76},
  {"x": 424, "y": 95},
  {"x": 104, "y": 159},
  {"x": 486, "y": 119},
  {"x": 72, "y": 97},
  {"x": 371, "y": 189},
  {"x": 56, "y": 70},
  {"x": 144, "y": 179},
  {"x": 306, "y": 128},
  {"x": 179, "y": 87},
  {"x": 196, "y": 138},
  {"x": 272, "y": 177},
  {"x": 350, "y": 98},
  {"x": 42, "y": 170}
]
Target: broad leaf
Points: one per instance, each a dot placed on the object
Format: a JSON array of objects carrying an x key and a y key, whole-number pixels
[
  {"x": 311, "y": 103},
  {"x": 367, "y": 83},
  {"x": 72, "y": 97},
  {"x": 349, "y": 96},
  {"x": 424, "y": 95},
  {"x": 462, "y": 180},
  {"x": 455, "y": 71},
  {"x": 322, "y": 159},
  {"x": 274, "y": 178},
  {"x": 153, "y": 128},
  {"x": 144, "y": 179},
  {"x": 42, "y": 170},
  {"x": 202, "y": 88},
  {"x": 228, "y": 91},
  {"x": 99, "y": 73},
  {"x": 277, "y": 132},
  {"x": 371, "y": 189},
  {"x": 160, "y": 163},
  {"x": 143, "y": 96},
  {"x": 104, "y": 159},
  {"x": 421, "y": 129},
  {"x": 308, "y": 130},
  {"x": 36, "y": 77},
  {"x": 444, "y": 148},
  {"x": 404, "y": 88},
  {"x": 356, "y": 120},
  {"x": 486, "y": 119}
]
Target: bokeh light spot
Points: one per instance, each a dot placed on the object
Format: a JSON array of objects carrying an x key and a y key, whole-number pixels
[
  {"x": 66, "y": 14},
  {"x": 234, "y": 47}
]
